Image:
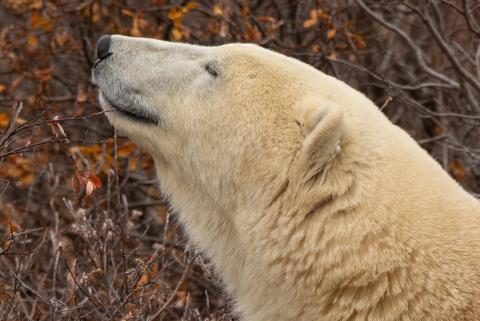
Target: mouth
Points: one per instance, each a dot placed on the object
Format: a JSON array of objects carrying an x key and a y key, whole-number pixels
[{"x": 134, "y": 114}]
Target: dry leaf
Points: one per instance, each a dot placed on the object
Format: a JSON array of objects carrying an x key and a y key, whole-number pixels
[
  {"x": 313, "y": 19},
  {"x": 37, "y": 5},
  {"x": 217, "y": 10},
  {"x": 191, "y": 5},
  {"x": 176, "y": 34},
  {"x": 253, "y": 34},
  {"x": 37, "y": 21},
  {"x": 457, "y": 170},
  {"x": 333, "y": 55},
  {"x": 266, "y": 19},
  {"x": 4, "y": 120},
  {"x": 96, "y": 181},
  {"x": 81, "y": 96},
  {"x": 127, "y": 12},
  {"x": 89, "y": 188},
  {"x": 142, "y": 281},
  {"x": 126, "y": 150},
  {"x": 26, "y": 180},
  {"x": 62, "y": 38},
  {"x": 176, "y": 15},
  {"x": 20, "y": 121},
  {"x": 135, "y": 30},
  {"x": 133, "y": 164},
  {"x": 331, "y": 33},
  {"x": 32, "y": 41}
]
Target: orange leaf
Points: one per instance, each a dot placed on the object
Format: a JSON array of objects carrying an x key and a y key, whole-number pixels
[
  {"x": 37, "y": 21},
  {"x": 313, "y": 19},
  {"x": 96, "y": 181},
  {"x": 217, "y": 10},
  {"x": 133, "y": 164},
  {"x": 333, "y": 55},
  {"x": 37, "y": 5},
  {"x": 253, "y": 34},
  {"x": 175, "y": 15},
  {"x": 126, "y": 150},
  {"x": 4, "y": 120},
  {"x": 27, "y": 180},
  {"x": 81, "y": 96},
  {"x": 266, "y": 19},
  {"x": 316, "y": 48},
  {"x": 142, "y": 281},
  {"x": 11, "y": 170},
  {"x": 127, "y": 12},
  {"x": 191, "y": 5},
  {"x": 32, "y": 41},
  {"x": 62, "y": 38},
  {"x": 331, "y": 33},
  {"x": 20, "y": 121},
  {"x": 177, "y": 34},
  {"x": 135, "y": 30},
  {"x": 457, "y": 170}
]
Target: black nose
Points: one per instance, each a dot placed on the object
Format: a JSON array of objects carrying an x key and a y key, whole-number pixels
[{"x": 103, "y": 46}]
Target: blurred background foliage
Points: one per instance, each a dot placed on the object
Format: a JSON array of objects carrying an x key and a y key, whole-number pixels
[{"x": 84, "y": 232}]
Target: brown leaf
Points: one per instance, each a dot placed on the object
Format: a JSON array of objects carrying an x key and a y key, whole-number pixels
[
  {"x": 331, "y": 33},
  {"x": 17, "y": 82},
  {"x": 4, "y": 120},
  {"x": 191, "y": 5},
  {"x": 133, "y": 164},
  {"x": 32, "y": 41},
  {"x": 176, "y": 34},
  {"x": 457, "y": 170},
  {"x": 36, "y": 4},
  {"x": 333, "y": 55},
  {"x": 253, "y": 34},
  {"x": 37, "y": 21},
  {"x": 176, "y": 15},
  {"x": 96, "y": 181},
  {"x": 217, "y": 10},
  {"x": 90, "y": 188},
  {"x": 142, "y": 281},
  {"x": 135, "y": 30},
  {"x": 126, "y": 150},
  {"x": 266, "y": 19},
  {"x": 81, "y": 96},
  {"x": 313, "y": 19},
  {"x": 26, "y": 180}
]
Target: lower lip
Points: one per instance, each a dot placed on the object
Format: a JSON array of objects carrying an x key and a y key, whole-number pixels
[{"x": 129, "y": 114}]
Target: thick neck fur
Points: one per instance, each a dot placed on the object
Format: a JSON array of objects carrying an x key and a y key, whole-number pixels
[{"x": 333, "y": 249}]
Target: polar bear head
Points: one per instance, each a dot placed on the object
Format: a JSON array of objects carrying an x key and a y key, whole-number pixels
[{"x": 219, "y": 119}]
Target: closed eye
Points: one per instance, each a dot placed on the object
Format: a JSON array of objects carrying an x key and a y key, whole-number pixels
[{"x": 211, "y": 69}]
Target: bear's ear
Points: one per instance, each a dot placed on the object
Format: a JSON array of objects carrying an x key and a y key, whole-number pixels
[{"x": 321, "y": 124}]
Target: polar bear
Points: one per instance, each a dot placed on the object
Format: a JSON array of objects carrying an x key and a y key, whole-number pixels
[{"x": 311, "y": 204}]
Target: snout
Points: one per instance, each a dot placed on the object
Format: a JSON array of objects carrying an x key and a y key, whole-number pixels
[{"x": 117, "y": 87}]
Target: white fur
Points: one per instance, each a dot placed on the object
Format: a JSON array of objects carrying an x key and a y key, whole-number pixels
[{"x": 310, "y": 203}]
